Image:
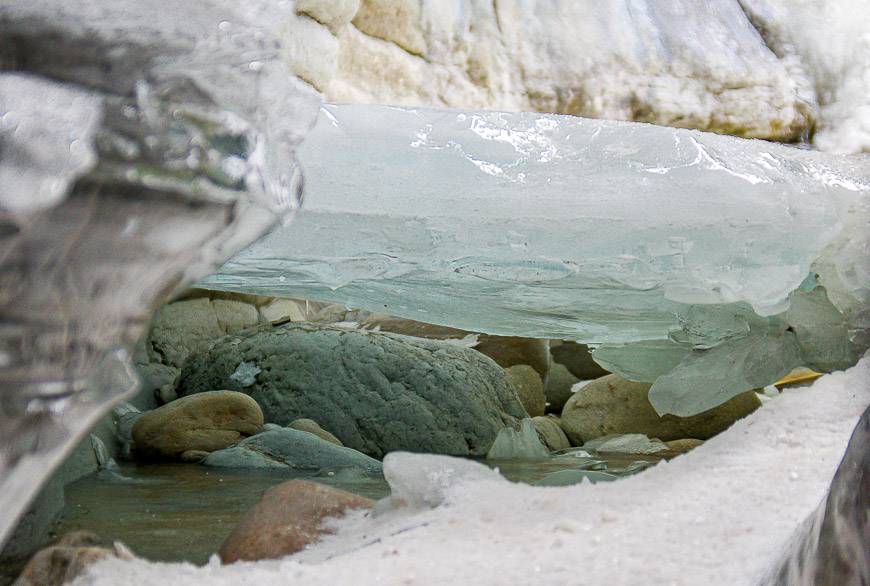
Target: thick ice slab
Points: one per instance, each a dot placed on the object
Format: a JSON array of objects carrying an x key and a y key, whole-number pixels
[{"x": 561, "y": 227}]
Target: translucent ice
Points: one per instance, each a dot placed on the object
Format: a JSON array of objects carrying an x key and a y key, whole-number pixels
[{"x": 646, "y": 239}]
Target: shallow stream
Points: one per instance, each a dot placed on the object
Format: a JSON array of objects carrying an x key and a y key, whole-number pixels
[{"x": 175, "y": 512}]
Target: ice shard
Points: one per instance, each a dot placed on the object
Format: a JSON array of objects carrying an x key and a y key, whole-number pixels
[{"x": 644, "y": 240}]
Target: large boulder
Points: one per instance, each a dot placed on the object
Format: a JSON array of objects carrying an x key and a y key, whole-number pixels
[
  {"x": 207, "y": 421},
  {"x": 613, "y": 405},
  {"x": 283, "y": 448},
  {"x": 374, "y": 391},
  {"x": 288, "y": 518}
]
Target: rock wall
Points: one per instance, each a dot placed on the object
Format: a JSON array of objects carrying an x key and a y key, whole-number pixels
[{"x": 686, "y": 64}]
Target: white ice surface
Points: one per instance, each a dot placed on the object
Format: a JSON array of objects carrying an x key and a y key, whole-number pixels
[{"x": 717, "y": 516}]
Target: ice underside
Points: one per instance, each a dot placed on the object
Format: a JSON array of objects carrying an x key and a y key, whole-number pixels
[{"x": 706, "y": 264}]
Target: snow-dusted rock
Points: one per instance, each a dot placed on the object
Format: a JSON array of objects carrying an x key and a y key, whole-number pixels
[{"x": 687, "y": 64}]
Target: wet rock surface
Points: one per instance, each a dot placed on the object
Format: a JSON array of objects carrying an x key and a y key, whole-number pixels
[
  {"x": 203, "y": 422},
  {"x": 614, "y": 405},
  {"x": 288, "y": 518},
  {"x": 285, "y": 448},
  {"x": 376, "y": 392}
]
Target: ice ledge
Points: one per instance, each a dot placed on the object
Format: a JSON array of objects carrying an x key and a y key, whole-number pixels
[{"x": 561, "y": 227}]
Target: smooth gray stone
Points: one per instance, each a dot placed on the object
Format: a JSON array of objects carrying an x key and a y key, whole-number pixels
[
  {"x": 290, "y": 448},
  {"x": 374, "y": 391}
]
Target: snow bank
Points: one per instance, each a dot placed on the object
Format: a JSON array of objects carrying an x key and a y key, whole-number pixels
[{"x": 719, "y": 515}]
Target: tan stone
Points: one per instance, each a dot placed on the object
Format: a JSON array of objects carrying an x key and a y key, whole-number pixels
[
  {"x": 204, "y": 421},
  {"x": 613, "y": 405},
  {"x": 529, "y": 388},
  {"x": 287, "y": 518},
  {"x": 551, "y": 433},
  {"x": 68, "y": 559},
  {"x": 681, "y": 446},
  {"x": 506, "y": 351},
  {"x": 312, "y": 426}
]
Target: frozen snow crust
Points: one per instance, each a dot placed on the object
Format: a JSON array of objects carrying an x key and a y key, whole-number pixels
[
  {"x": 719, "y": 515},
  {"x": 685, "y": 253}
]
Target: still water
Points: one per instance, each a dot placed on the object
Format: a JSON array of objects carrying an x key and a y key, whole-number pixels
[{"x": 183, "y": 512}]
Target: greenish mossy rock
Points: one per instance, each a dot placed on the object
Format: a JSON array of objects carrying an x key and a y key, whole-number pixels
[
  {"x": 286, "y": 448},
  {"x": 376, "y": 392}
]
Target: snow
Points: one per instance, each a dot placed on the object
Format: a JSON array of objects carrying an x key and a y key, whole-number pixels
[{"x": 719, "y": 515}]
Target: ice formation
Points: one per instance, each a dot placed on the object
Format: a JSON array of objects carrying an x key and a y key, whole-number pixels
[
  {"x": 141, "y": 144},
  {"x": 708, "y": 264}
]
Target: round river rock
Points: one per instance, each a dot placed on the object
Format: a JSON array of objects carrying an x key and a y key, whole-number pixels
[{"x": 376, "y": 392}]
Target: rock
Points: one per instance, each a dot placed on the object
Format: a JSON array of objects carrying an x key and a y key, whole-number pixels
[
  {"x": 311, "y": 426},
  {"x": 551, "y": 433},
  {"x": 376, "y": 392},
  {"x": 287, "y": 518},
  {"x": 558, "y": 389},
  {"x": 527, "y": 56},
  {"x": 507, "y": 351},
  {"x": 286, "y": 448},
  {"x": 205, "y": 421},
  {"x": 681, "y": 446},
  {"x": 157, "y": 385},
  {"x": 181, "y": 328},
  {"x": 283, "y": 309},
  {"x": 234, "y": 315},
  {"x": 522, "y": 444},
  {"x": 577, "y": 359},
  {"x": 630, "y": 443},
  {"x": 614, "y": 405},
  {"x": 188, "y": 325},
  {"x": 333, "y": 13},
  {"x": 67, "y": 560},
  {"x": 529, "y": 388},
  {"x": 571, "y": 477},
  {"x": 193, "y": 456}
]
